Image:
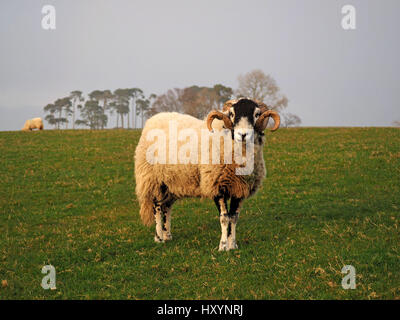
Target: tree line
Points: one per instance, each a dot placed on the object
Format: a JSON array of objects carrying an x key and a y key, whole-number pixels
[
  {"x": 94, "y": 110},
  {"x": 130, "y": 105}
]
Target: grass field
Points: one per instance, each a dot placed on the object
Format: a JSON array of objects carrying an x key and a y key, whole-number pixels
[{"x": 331, "y": 198}]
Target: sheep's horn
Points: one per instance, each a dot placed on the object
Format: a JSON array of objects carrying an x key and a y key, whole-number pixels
[
  {"x": 229, "y": 104},
  {"x": 269, "y": 113},
  {"x": 220, "y": 116}
]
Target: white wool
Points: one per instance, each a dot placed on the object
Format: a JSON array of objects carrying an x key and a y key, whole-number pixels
[{"x": 35, "y": 123}]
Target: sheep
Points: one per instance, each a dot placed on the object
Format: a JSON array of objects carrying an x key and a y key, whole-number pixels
[
  {"x": 160, "y": 184},
  {"x": 35, "y": 123}
]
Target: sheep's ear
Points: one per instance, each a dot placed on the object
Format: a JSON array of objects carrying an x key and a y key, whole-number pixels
[
  {"x": 227, "y": 111},
  {"x": 263, "y": 107}
]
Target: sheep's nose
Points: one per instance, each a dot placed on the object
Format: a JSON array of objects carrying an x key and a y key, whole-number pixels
[{"x": 243, "y": 135}]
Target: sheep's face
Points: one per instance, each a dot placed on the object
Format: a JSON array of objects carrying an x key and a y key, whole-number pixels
[
  {"x": 243, "y": 115},
  {"x": 244, "y": 118}
]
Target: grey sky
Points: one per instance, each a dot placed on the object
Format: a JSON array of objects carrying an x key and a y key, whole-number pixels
[{"x": 332, "y": 77}]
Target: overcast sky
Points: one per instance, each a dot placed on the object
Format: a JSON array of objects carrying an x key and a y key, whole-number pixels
[{"x": 331, "y": 76}]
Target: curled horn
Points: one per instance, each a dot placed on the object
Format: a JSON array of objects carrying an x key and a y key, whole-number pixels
[
  {"x": 260, "y": 125},
  {"x": 220, "y": 116}
]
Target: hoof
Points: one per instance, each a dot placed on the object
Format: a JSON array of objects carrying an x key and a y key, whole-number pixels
[
  {"x": 226, "y": 246},
  {"x": 167, "y": 236},
  {"x": 232, "y": 246},
  {"x": 158, "y": 239},
  {"x": 223, "y": 246}
]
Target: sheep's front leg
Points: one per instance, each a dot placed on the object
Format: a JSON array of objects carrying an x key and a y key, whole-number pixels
[
  {"x": 224, "y": 220},
  {"x": 233, "y": 218}
]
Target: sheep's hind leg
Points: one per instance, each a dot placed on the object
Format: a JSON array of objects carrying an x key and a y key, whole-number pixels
[
  {"x": 233, "y": 218},
  {"x": 167, "y": 225},
  {"x": 224, "y": 220},
  {"x": 162, "y": 211},
  {"x": 159, "y": 218},
  {"x": 166, "y": 207}
]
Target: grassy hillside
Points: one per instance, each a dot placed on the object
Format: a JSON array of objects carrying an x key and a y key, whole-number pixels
[{"x": 331, "y": 198}]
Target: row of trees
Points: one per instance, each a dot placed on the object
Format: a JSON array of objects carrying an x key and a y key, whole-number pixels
[
  {"x": 198, "y": 101},
  {"x": 131, "y": 104},
  {"x": 195, "y": 101},
  {"x": 94, "y": 111}
]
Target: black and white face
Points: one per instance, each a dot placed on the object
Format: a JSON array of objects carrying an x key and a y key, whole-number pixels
[{"x": 244, "y": 115}]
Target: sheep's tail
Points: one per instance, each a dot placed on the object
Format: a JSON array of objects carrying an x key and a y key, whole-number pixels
[
  {"x": 146, "y": 212},
  {"x": 145, "y": 184}
]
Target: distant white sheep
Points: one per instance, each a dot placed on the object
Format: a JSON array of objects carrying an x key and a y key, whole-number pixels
[{"x": 35, "y": 123}]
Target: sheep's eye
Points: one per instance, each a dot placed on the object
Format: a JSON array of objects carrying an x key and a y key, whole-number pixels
[{"x": 258, "y": 114}]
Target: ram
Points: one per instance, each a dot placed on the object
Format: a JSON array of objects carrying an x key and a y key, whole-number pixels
[{"x": 160, "y": 183}]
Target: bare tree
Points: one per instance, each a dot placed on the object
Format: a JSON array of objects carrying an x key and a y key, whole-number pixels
[
  {"x": 167, "y": 102},
  {"x": 290, "y": 120},
  {"x": 262, "y": 87}
]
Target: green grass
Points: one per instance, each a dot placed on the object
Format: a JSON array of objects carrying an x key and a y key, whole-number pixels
[{"x": 331, "y": 198}]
